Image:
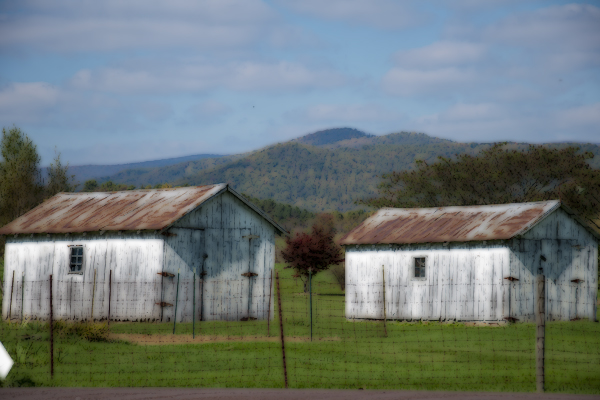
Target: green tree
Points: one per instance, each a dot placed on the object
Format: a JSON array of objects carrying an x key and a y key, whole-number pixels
[
  {"x": 20, "y": 183},
  {"x": 91, "y": 185},
  {"x": 58, "y": 178},
  {"x": 496, "y": 176}
]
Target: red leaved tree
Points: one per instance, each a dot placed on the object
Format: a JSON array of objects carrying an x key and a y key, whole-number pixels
[{"x": 313, "y": 252}]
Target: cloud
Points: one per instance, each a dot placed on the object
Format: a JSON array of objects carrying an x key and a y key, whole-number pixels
[
  {"x": 197, "y": 76},
  {"x": 409, "y": 82},
  {"x": 382, "y": 14},
  {"x": 439, "y": 54},
  {"x": 489, "y": 122},
  {"x": 26, "y": 101},
  {"x": 344, "y": 113},
  {"x": 67, "y": 26}
]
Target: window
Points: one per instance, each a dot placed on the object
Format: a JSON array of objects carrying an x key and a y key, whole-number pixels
[
  {"x": 76, "y": 264},
  {"x": 419, "y": 267}
]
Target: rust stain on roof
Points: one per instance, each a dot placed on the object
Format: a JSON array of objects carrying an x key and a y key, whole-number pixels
[
  {"x": 152, "y": 209},
  {"x": 449, "y": 224}
]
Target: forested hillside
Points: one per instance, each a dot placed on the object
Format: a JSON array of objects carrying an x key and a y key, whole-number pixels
[{"x": 323, "y": 171}]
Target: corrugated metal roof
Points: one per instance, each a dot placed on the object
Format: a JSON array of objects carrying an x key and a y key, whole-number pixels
[
  {"x": 449, "y": 224},
  {"x": 152, "y": 209}
]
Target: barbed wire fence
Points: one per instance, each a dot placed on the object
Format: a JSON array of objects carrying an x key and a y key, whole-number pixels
[{"x": 236, "y": 333}]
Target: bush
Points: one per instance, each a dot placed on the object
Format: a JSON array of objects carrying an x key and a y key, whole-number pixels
[{"x": 90, "y": 331}]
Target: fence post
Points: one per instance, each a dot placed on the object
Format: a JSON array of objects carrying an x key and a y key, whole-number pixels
[
  {"x": 12, "y": 286},
  {"x": 51, "y": 334},
  {"x": 194, "y": 308},
  {"x": 310, "y": 300},
  {"x": 281, "y": 330},
  {"x": 541, "y": 330},
  {"x": 22, "y": 295},
  {"x": 176, "y": 298},
  {"x": 269, "y": 307},
  {"x": 384, "y": 311},
  {"x": 109, "y": 293},
  {"x": 93, "y": 295}
]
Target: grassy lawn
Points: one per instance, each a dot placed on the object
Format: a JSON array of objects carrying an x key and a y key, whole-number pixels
[{"x": 343, "y": 354}]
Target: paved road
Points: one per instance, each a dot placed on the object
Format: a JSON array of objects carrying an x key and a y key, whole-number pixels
[{"x": 264, "y": 394}]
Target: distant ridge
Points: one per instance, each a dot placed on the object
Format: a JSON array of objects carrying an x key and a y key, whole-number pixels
[
  {"x": 330, "y": 136},
  {"x": 85, "y": 172}
]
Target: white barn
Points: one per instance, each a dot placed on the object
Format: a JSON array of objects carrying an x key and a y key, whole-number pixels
[
  {"x": 474, "y": 263},
  {"x": 141, "y": 249}
]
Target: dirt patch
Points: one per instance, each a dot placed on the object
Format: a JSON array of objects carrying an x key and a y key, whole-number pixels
[{"x": 157, "y": 339}]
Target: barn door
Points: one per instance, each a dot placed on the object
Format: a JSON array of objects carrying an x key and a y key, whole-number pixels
[{"x": 184, "y": 256}]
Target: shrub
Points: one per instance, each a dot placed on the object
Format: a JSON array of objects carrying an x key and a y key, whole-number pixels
[{"x": 339, "y": 273}]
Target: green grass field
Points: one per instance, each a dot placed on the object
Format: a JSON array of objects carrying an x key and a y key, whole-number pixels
[{"x": 343, "y": 354}]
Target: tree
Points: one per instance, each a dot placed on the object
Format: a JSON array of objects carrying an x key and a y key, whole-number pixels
[
  {"x": 496, "y": 176},
  {"x": 21, "y": 186},
  {"x": 91, "y": 185},
  {"x": 58, "y": 178},
  {"x": 313, "y": 252}
]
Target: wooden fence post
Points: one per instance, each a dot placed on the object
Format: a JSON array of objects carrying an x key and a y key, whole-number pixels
[
  {"x": 51, "y": 334},
  {"x": 281, "y": 330},
  {"x": 541, "y": 330}
]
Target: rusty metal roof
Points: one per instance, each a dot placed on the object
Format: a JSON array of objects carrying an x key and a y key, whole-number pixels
[
  {"x": 152, "y": 209},
  {"x": 450, "y": 224}
]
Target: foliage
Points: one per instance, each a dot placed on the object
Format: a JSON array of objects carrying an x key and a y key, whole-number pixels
[
  {"x": 90, "y": 331},
  {"x": 92, "y": 185},
  {"x": 339, "y": 273},
  {"x": 21, "y": 186},
  {"x": 496, "y": 176},
  {"x": 320, "y": 178},
  {"x": 58, "y": 178},
  {"x": 312, "y": 253}
]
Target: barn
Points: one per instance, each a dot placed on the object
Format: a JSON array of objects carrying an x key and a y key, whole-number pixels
[
  {"x": 473, "y": 263},
  {"x": 203, "y": 253}
]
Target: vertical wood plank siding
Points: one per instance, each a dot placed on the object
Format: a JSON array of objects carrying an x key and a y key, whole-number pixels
[
  {"x": 217, "y": 229},
  {"x": 465, "y": 281}
]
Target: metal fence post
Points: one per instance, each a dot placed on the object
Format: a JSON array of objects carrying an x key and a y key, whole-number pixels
[
  {"x": 12, "y": 286},
  {"x": 109, "y": 293},
  {"x": 51, "y": 334},
  {"x": 541, "y": 330},
  {"x": 176, "y": 298},
  {"x": 281, "y": 330},
  {"x": 310, "y": 301},
  {"x": 194, "y": 308},
  {"x": 269, "y": 306},
  {"x": 384, "y": 311}
]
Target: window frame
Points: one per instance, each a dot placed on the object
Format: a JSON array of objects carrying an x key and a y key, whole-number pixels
[
  {"x": 71, "y": 248},
  {"x": 413, "y": 267}
]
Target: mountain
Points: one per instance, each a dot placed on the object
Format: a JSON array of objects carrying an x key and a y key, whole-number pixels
[
  {"x": 84, "y": 172},
  {"x": 323, "y": 171}
]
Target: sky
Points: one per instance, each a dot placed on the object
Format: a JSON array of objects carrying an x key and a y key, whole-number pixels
[{"x": 106, "y": 82}]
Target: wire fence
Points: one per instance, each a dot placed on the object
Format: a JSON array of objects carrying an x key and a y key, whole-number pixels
[{"x": 280, "y": 332}]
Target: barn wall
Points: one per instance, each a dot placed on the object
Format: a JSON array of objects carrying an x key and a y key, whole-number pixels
[
  {"x": 463, "y": 282},
  {"x": 571, "y": 253},
  {"x": 224, "y": 293},
  {"x": 134, "y": 260}
]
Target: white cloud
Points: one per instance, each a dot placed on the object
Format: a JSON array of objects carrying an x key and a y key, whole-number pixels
[
  {"x": 408, "y": 82},
  {"x": 345, "y": 113},
  {"x": 112, "y": 25},
  {"x": 383, "y": 14},
  {"x": 21, "y": 102},
  {"x": 197, "y": 76},
  {"x": 439, "y": 54}
]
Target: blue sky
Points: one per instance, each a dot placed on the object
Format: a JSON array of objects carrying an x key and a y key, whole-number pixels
[{"x": 110, "y": 81}]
